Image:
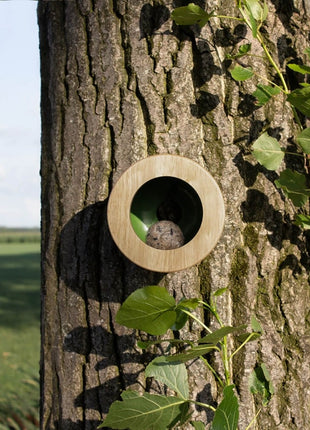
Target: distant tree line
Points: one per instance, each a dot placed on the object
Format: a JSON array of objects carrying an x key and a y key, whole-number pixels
[{"x": 19, "y": 235}]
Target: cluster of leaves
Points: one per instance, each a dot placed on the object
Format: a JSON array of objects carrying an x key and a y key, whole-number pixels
[
  {"x": 153, "y": 310},
  {"x": 266, "y": 149}
]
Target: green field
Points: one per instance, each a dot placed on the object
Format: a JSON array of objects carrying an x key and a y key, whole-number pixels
[
  {"x": 19, "y": 333},
  {"x": 19, "y": 235}
]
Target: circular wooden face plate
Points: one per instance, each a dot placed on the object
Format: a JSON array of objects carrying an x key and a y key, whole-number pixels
[{"x": 192, "y": 252}]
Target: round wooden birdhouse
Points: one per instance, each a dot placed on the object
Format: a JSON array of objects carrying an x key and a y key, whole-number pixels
[{"x": 166, "y": 213}]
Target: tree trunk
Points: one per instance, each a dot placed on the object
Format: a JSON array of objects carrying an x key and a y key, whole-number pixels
[{"x": 121, "y": 82}]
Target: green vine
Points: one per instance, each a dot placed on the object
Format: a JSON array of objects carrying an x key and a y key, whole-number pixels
[
  {"x": 266, "y": 149},
  {"x": 153, "y": 310}
]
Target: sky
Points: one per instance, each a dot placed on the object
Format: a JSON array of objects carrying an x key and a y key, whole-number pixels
[{"x": 19, "y": 114}]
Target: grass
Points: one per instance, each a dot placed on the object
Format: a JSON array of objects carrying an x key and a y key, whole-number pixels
[{"x": 19, "y": 335}]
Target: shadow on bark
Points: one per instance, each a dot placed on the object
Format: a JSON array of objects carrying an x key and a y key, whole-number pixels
[
  {"x": 152, "y": 18},
  {"x": 256, "y": 208},
  {"x": 90, "y": 264},
  {"x": 70, "y": 425}
]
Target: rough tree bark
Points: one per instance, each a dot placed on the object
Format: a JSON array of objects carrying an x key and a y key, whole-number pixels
[{"x": 120, "y": 82}]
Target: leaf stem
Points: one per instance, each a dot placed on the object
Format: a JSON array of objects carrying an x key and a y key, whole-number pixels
[
  {"x": 204, "y": 405},
  {"x": 272, "y": 62},
  {"x": 280, "y": 74},
  {"x": 269, "y": 81},
  {"x": 242, "y": 345},
  {"x": 254, "y": 419},
  {"x": 225, "y": 360},
  {"x": 228, "y": 17},
  {"x": 197, "y": 319},
  {"x": 212, "y": 370},
  {"x": 295, "y": 153}
]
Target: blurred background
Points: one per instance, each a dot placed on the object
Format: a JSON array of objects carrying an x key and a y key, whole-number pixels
[{"x": 19, "y": 215}]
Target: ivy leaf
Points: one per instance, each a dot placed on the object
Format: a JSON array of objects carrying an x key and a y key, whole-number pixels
[
  {"x": 147, "y": 412},
  {"x": 151, "y": 309},
  {"x": 190, "y": 15},
  {"x": 260, "y": 383},
  {"x": 267, "y": 151},
  {"x": 240, "y": 73},
  {"x": 303, "y": 221},
  {"x": 264, "y": 93},
  {"x": 174, "y": 375},
  {"x": 217, "y": 335},
  {"x": 303, "y": 139},
  {"x": 227, "y": 413},
  {"x": 293, "y": 185},
  {"x": 198, "y": 425},
  {"x": 300, "y": 68},
  {"x": 301, "y": 100}
]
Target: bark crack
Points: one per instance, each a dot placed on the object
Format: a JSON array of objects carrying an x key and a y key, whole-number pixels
[
  {"x": 118, "y": 354},
  {"x": 149, "y": 125}
]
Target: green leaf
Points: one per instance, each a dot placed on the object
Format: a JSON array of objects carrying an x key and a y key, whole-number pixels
[
  {"x": 260, "y": 383},
  {"x": 220, "y": 291},
  {"x": 300, "y": 68},
  {"x": 258, "y": 11},
  {"x": 249, "y": 17},
  {"x": 254, "y": 335},
  {"x": 217, "y": 335},
  {"x": 227, "y": 413},
  {"x": 181, "y": 316},
  {"x": 255, "y": 325},
  {"x": 180, "y": 320},
  {"x": 301, "y": 100},
  {"x": 146, "y": 412},
  {"x": 188, "y": 304},
  {"x": 267, "y": 151},
  {"x": 307, "y": 51},
  {"x": 254, "y": 13},
  {"x": 190, "y": 14},
  {"x": 174, "y": 375},
  {"x": 243, "y": 50},
  {"x": 293, "y": 185},
  {"x": 145, "y": 344},
  {"x": 303, "y": 139},
  {"x": 248, "y": 337},
  {"x": 151, "y": 309},
  {"x": 192, "y": 353},
  {"x": 303, "y": 221},
  {"x": 240, "y": 73},
  {"x": 198, "y": 425},
  {"x": 264, "y": 93}
]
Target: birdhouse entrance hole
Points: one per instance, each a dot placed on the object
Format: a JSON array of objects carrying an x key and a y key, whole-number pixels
[{"x": 166, "y": 198}]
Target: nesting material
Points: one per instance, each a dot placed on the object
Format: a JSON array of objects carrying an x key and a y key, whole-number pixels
[{"x": 165, "y": 235}]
